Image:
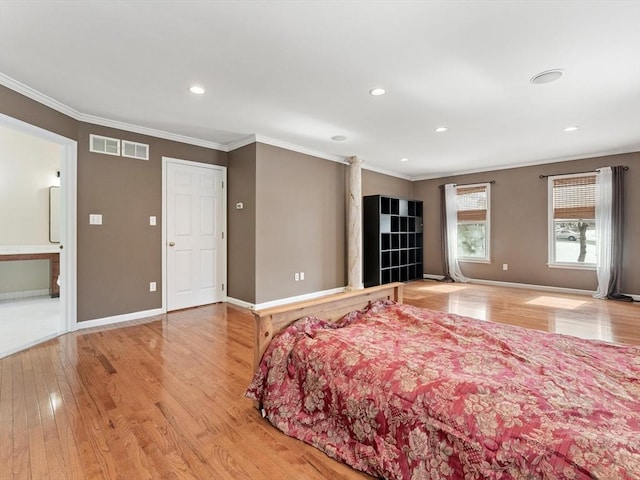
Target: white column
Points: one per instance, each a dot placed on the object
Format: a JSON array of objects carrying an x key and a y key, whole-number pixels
[{"x": 354, "y": 225}]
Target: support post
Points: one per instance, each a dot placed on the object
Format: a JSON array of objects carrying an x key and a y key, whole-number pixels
[{"x": 354, "y": 225}]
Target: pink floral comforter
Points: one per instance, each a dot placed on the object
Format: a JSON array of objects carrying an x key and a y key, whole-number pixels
[{"x": 407, "y": 393}]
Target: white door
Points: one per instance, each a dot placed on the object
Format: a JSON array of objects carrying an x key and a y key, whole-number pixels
[{"x": 195, "y": 235}]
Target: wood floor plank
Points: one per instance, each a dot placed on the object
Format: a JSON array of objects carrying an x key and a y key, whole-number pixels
[
  {"x": 21, "y": 463},
  {"x": 6, "y": 419},
  {"x": 38, "y": 464},
  {"x": 163, "y": 397}
]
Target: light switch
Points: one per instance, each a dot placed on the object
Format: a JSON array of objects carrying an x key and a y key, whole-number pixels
[{"x": 152, "y": 220}]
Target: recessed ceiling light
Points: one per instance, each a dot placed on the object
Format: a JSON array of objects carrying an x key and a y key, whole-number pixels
[
  {"x": 441, "y": 129},
  {"x": 338, "y": 138},
  {"x": 547, "y": 76},
  {"x": 571, "y": 129},
  {"x": 404, "y": 159},
  {"x": 197, "y": 90},
  {"x": 376, "y": 92}
]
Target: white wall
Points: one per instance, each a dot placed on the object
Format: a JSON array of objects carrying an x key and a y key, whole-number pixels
[{"x": 28, "y": 167}]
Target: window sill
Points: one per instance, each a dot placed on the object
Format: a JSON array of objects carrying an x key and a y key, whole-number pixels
[
  {"x": 573, "y": 266},
  {"x": 474, "y": 260}
]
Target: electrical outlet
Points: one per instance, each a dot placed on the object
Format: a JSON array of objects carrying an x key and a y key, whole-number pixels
[
  {"x": 505, "y": 266},
  {"x": 296, "y": 277},
  {"x": 301, "y": 275},
  {"x": 152, "y": 220},
  {"x": 152, "y": 286}
]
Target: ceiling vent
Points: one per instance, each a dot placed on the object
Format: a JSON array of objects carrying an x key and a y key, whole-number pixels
[
  {"x": 135, "y": 150},
  {"x": 106, "y": 145}
]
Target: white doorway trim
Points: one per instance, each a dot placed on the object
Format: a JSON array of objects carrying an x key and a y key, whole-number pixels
[
  {"x": 223, "y": 266},
  {"x": 68, "y": 200}
]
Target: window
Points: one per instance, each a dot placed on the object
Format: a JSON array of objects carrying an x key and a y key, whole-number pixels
[
  {"x": 572, "y": 224},
  {"x": 473, "y": 222}
]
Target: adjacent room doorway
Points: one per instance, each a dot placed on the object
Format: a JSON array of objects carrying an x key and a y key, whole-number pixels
[
  {"x": 36, "y": 162},
  {"x": 194, "y": 263}
]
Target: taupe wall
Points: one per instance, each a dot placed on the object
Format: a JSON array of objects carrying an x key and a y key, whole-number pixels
[
  {"x": 374, "y": 183},
  {"x": 519, "y": 214},
  {"x": 241, "y": 224},
  {"x": 29, "y": 111},
  {"x": 293, "y": 220},
  {"x": 117, "y": 260},
  {"x": 300, "y": 223}
]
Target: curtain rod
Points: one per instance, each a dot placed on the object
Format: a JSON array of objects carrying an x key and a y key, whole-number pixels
[
  {"x": 624, "y": 167},
  {"x": 465, "y": 184}
]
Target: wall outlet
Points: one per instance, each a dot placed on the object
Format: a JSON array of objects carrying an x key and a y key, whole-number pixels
[
  {"x": 301, "y": 275},
  {"x": 152, "y": 220},
  {"x": 296, "y": 277},
  {"x": 505, "y": 266},
  {"x": 95, "y": 219},
  {"x": 152, "y": 286}
]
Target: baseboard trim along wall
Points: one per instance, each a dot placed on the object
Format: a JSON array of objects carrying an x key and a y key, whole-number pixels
[
  {"x": 99, "y": 322},
  {"x": 284, "y": 301},
  {"x": 24, "y": 294},
  {"x": 544, "y": 288}
]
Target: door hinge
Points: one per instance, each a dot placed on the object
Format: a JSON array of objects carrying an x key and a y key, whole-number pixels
[
  {"x": 223, "y": 184},
  {"x": 223, "y": 287},
  {"x": 223, "y": 235}
]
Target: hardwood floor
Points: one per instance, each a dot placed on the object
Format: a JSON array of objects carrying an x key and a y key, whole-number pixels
[{"x": 163, "y": 398}]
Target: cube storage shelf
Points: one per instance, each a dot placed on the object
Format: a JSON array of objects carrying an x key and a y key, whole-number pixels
[{"x": 392, "y": 240}]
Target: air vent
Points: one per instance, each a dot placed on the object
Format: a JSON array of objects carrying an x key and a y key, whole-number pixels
[
  {"x": 106, "y": 145},
  {"x": 135, "y": 150}
]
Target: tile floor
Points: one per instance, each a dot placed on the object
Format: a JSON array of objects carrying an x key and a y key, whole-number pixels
[{"x": 27, "y": 321}]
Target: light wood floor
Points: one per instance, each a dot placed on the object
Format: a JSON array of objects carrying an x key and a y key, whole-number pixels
[{"x": 163, "y": 398}]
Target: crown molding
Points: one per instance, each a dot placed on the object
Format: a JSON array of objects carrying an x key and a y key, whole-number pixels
[
  {"x": 152, "y": 132},
  {"x": 39, "y": 97},
  {"x": 297, "y": 148},
  {"x": 243, "y": 142},
  {"x": 533, "y": 163},
  {"x": 386, "y": 172},
  {"x": 33, "y": 94}
]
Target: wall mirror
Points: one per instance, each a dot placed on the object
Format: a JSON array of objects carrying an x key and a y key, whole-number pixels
[{"x": 54, "y": 214}]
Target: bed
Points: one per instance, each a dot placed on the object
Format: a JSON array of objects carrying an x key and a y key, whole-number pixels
[{"x": 401, "y": 392}]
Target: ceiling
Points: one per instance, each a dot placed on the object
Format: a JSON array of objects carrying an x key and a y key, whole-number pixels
[{"x": 299, "y": 72}]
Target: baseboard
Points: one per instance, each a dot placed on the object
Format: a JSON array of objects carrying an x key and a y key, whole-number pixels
[
  {"x": 285, "y": 301},
  {"x": 11, "y": 351},
  {"x": 432, "y": 277},
  {"x": 100, "y": 322},
  {"x": 239, "y": 303},
  {"x": 24, "y": 294},
  {"x": 545, "y": 288}
]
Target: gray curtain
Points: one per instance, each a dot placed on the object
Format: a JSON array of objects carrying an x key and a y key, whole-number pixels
[{"x": 617, "y": 218}]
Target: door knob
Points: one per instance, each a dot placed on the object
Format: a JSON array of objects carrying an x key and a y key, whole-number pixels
[{"x": 172, "y": 244}]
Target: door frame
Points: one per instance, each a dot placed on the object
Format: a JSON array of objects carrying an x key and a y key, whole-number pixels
[
  {"x": 222, "y": 269},
  {"x": 68, "y": 227}
]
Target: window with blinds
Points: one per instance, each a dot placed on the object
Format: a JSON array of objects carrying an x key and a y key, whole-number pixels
[
  {"x": 473, "y": 222},
  {"x": 572, "y": 213}
]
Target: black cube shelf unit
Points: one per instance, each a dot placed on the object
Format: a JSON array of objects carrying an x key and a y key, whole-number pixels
[{"x": 392, "y": 239}]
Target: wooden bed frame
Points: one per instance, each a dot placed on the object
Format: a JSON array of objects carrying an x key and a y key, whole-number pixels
[{"x": 332, "y": 307}]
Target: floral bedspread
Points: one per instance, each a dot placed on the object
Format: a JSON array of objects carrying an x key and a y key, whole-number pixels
[{"x": 401, "y": 392}]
